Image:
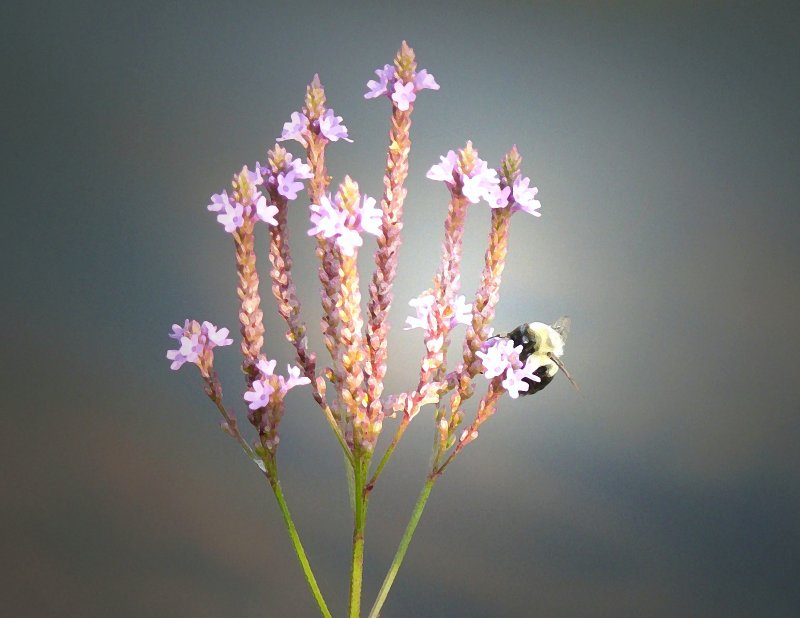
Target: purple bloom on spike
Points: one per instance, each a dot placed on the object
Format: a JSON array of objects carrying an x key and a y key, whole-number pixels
[
  {"x": 295, "y": 128},
  {"x": 191, "y": 347},
  {"x": 216, "y": 336},
  {"x": 326, "y": 217},
  {"x": 369, "y": 216},
  {"x": 258, "y": 396},
  {"x": 265, "y": 211},
  {"x": 525, "y": 197},
  {"x": 497, "y": 197},
  {"x": 219, "y": 201},
  {"x": 480, "y": 182},
  {"x": 301, "y": 170},
  {"x": 177, "y": 359},
  {"x": 501, "y": 358},
  {"x": 288, "y": 186},
  {"x": 380, "y": 87},
  {"x": 513, "y": 384},
  {"x": 423, "y": 80},
  {"x": 403, "y": 95},
  {"x": 294, "y": 379},
  {"x": 253, "y": 177},
  {"x": 267, "y": 368},
  {"x": 444, "y": 170},
  {"x": 331, "y": 221},
  {"x": 331, "y": 127},
  {"x": 178, "y": 331},
  {"x": 496, "y": 356},
  {"x": 461, "y": 312},
  {"x": 348, "y": 240},
  {"x": 232, "y": 218}
]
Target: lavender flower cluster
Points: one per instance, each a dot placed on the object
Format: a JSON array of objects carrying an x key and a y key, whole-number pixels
[{"x": 350, "y": 389}]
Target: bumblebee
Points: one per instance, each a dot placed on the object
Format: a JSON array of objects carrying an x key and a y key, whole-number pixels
[{"x": 546, "y": 344}]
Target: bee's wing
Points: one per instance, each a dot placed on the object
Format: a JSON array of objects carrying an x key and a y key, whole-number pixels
[
  {"x": 562, "y": 326},
  {"x": 561, "y": 366}
]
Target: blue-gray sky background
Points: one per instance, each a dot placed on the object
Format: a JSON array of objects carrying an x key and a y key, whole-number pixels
[{"x": 665, "y": 141}]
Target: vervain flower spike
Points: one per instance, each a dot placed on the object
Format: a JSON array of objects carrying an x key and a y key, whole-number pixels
[{"x": 349, "y": 387}]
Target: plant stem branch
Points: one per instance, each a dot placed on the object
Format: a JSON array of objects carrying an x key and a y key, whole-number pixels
[
  {"x": 389, "y": 450},
  {"x": 272, "y": 475},
  {"x": 401, "y": 550},
  {"x": 360, "y": 517}
]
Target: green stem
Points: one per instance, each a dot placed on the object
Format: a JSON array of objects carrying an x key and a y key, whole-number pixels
[
  {"x": 360, "y": 517},
  {"x": 401, "y": 550},
  {"x": 399, "y": 434},
  {"x": 272, "y": 475}
]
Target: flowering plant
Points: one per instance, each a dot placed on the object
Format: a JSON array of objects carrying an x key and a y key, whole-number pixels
[{"x": 350, "y": 390}]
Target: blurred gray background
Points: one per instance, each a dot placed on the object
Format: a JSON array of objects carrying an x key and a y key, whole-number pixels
[{"x": 664, "y": 140}]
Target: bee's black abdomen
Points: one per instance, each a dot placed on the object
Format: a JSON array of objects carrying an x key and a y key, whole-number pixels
[{"x": 535, "y": 387}]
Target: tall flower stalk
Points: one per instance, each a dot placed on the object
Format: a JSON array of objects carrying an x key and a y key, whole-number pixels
[{"x": 349, "y": 389}]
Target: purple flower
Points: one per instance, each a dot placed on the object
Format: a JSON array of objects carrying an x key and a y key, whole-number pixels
[
  {"x": 219, "y": 201},
  {"x": 266, "y": 212},
  {"x": 401, "y": 92},
  {"x": 380, "y": 87},
  {"x": 444, "y": 171},
  {"x": 348, "y": 240},
  {"x": 267, "y": 368},
  {"x": 497, "y": 197},
  {"x": 461, "y": 312},
  {"x": 497, "y": 356},
  {"x": 301, "y": 170},
  {"x": 178, "y": 331},
  {"x": 232, "y": 218},
  {"x": 295, "y": 128},
  {"x": 259, "y": 394},
  {"x": 191, "y": 347},
  {"x": 294, "y": 379},
  {"x": 369, "y": 217},
  {"x": 332, "y": 221},
  {"x": 525, "y": 197},
  {"x": 403, "y": 95},
  {"x": 423, "y": 80},
  {"x": 177, "y": 359},
  {"x": 331, "y": 127},
  {"x": 216, "y": 336},
  {"x": 196, "y": 343},
  {"x": 327, "y": 217},
  {"x": 480, "y": 182},
  {"x": 501, "y": 358},
  {"x": 288, "y": 186},
  {"x": 253, "y": 178}
]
